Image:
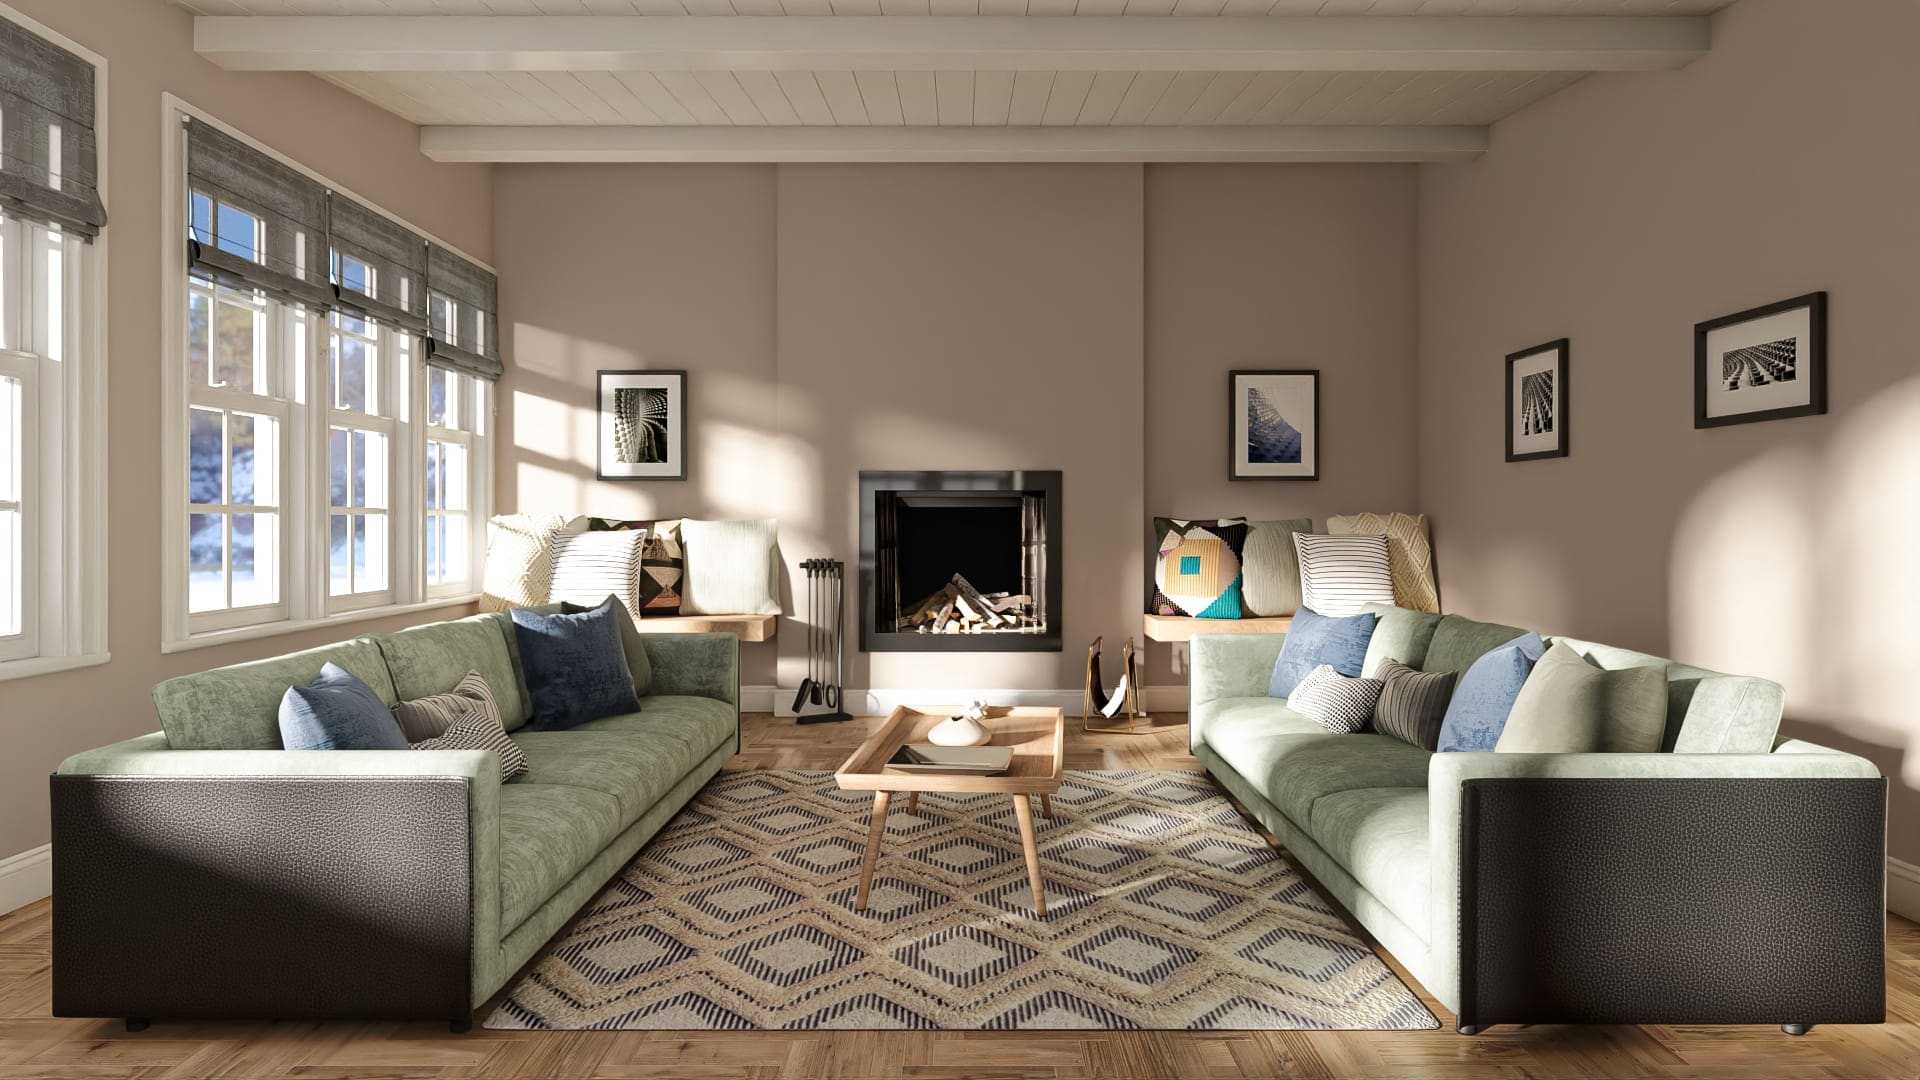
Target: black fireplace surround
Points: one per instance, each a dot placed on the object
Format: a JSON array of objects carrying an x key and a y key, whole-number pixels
[{"x": 1001, "y": 530}]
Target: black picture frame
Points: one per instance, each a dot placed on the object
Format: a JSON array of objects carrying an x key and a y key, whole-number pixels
[
  {"x": 1237, "y": 461},
  {"x": 1562, "y": 421},
  {"x": 1815, "y": 304},
  {"x": 672, "y": 380}
]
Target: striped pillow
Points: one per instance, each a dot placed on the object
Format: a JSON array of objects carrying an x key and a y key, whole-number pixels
[
  {"x": 430, "y": 717},
  {"x": 1334, "y": 701},
  {"x": 1413, "y": 703},
  {"x": 590, "y": 566},
  {"x": 1341, "y": 575},
  {"x": 476, "y": 730}
]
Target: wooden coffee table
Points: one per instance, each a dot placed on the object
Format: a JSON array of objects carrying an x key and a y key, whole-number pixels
[{"x": 1036, "y": 735}]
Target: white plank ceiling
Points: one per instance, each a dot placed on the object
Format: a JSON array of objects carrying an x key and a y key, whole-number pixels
[{"x": 476, "y": 101}]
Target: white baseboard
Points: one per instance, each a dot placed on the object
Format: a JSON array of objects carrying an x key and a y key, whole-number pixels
[
  {"x": 778, "y": 700},
  {"x": 1903, "y": 888},
  {"x": 26, "y": 877}
]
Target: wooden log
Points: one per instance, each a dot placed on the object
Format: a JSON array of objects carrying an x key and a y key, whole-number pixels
[{"x": 971, "y": 597}]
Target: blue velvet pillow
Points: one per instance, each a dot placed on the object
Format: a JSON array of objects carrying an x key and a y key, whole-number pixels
[
  {"x": 337, "y": 712},
  {"x": 1316, "y": 639},
  {"x": 575, "y": 668},
  {"x": 1484, "y": 695}
]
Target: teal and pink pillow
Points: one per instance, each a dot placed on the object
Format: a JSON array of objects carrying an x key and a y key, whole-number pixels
[{"x": 1197, "y": 571}]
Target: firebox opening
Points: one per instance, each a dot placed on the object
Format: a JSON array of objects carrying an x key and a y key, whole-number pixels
[{"x": 981, "y": 542}]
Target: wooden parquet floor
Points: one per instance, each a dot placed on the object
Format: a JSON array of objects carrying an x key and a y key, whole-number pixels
[{"x": 33, "y": 1044}]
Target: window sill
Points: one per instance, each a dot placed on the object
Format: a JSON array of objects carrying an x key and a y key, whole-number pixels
[
  {"x": 46, "y": 665},
  {"x": 211, "y": 638}
]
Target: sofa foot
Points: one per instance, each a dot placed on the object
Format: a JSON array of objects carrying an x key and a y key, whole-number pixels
[
  {"x": 1467, "y": 1029},
  {"x": 460, "y": 1025},
  {"x": 138, "y": 1023},
  {"x": 1796, "y": 1029}
]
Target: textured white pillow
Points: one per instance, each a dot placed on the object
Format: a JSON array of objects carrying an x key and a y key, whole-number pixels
[
  {"x": 1341, "y": 575},
  {"x": 588, "y": 567},
  {"x": 1334, "y": 701},
  {"x": 519, "y": 568},
  {"x": 733, "y": 567}
]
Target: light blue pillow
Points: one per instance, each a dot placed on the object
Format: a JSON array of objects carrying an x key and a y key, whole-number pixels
[
  {"x": 337, "y": 712},
  {"x": 1316, "y": 639},
  {"x": 1484, "y": 695},
  {"x": 575, "y": 667}
]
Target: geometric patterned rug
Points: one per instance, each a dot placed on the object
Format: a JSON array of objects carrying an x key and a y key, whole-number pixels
[{"x": 1165, "y": 909}]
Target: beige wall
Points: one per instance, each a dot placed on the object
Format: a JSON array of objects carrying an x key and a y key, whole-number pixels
[
  {"x": 1619, "y": 213},
  {"x": 836, "y": 318},
  {"x": 148, "y": 47}
]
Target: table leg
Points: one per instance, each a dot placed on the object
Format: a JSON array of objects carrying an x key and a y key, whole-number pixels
[
  {"x": 879, "y": 829},
  {"x": 913, "y": 803},
  {"x": 1046, "y": 806},
  {"x": 1023, "y": 812}
]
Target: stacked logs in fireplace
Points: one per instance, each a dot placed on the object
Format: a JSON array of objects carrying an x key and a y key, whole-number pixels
[{"x": 959, "y": 608}]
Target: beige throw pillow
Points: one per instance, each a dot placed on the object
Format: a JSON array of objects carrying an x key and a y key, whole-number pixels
[
  {"x": 1569, "y": 705},
  {"x": 733, "y": 567},
  {"x": 519, "y": 567}
]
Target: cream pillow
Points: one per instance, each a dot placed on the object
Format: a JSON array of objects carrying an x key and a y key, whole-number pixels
[
  {"x": 1569, "y": 705},
  {"x": 519, "y": 567},
  {"x": 733, "y": 567}
]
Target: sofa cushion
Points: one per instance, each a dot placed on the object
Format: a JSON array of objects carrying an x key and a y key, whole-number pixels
[
  {"x": 1400, "y": 634},
  {"x": 1459, "y": 641},
  {"x": 636, "y": 767},
  {"x": 1295, "y": 762},
  {"x": 548, "y": 833},
  {"x": 703, "y": 723},
  {"x": 432, "y": 659},
  {"x": 1380, "y": 836},
  {"x": 1707, "y": 712},
  {"x": 238, "y": 707}
]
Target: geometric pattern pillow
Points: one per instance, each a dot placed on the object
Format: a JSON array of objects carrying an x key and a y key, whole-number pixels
[
  {"x": 1409, "y": 554},
  {"x": 591, "y": 566},
  {"x": 1197, "y": 569},
  {"x": 431, "y": 716},
  {"x": 476, "y": 730},
  {"x": 1334, "y": 701},
  {"x": 519, "y": 565},
  {"x": 663, "y": 562},
  {"x": 1341, "y": 575}
]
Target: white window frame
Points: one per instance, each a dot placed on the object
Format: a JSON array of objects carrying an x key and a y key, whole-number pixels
[
  {"x": 305, "y": 494},
  {"x": 63, "y": 460},
  {"x": 471, "y": 406}
]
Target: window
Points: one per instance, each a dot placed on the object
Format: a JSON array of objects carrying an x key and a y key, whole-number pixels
[{"x": 329, "y": 471}]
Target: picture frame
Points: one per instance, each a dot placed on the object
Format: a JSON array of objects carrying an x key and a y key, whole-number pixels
[
  {"x": 1538, "y": 399},
  {"x": 1765, "y": 363},
  {"x": 1273, "y": 425},
  {"x": 642, "y": 428}
]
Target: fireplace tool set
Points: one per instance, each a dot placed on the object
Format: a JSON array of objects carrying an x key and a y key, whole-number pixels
[{"x": 826, "y": 642}]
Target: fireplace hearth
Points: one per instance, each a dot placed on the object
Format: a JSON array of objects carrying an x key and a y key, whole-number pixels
[{"x": 960, "y": 561}]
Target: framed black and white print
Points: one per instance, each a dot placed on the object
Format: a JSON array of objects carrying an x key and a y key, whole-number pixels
[
  {"x": 1273, "y": 425},
  {"x": 1537, "y": 402},
  {"x": 643, "y": 425},
  {"x": 1768, "y": 363}
]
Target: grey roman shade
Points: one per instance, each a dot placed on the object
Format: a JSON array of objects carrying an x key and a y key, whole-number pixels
[
  {"x": 471, "y": 344},
  {"x": 397, "y": 292},
  {"x": 286, "y": 256},
  {"x": 49, "y": 163}
]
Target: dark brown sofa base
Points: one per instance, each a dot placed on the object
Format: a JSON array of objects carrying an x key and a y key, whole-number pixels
[{"x": 290, "y": 897}]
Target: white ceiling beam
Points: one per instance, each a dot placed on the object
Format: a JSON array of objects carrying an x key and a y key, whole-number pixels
[
  {"x": 950, "y": 144},
  {"x": 937, "y": 43}
]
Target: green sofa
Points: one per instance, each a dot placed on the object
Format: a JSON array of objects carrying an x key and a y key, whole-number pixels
[
  {"x": 202, "y": 871},
  {"x": 1732, "y": 878}
]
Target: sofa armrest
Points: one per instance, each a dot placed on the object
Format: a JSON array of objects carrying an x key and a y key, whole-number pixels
[
  {"x": 271, "y": 883},
  {"x": 1657, "y": 888},
  {"x": 695, "y": 665},
  {"x": 1231, "y": 666}
]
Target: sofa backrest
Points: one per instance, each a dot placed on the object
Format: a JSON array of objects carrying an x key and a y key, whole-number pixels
[
  {"x": 1707, "y": 712},
  {"x": 432, "y": 659},
  {"x": 238, "y": 707},
  {"x": 1401, "y": 634},
  {"x": 1458, "y": 641}
]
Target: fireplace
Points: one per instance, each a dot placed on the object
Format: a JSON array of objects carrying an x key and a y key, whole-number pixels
[{"x": 960, "y": 561}]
